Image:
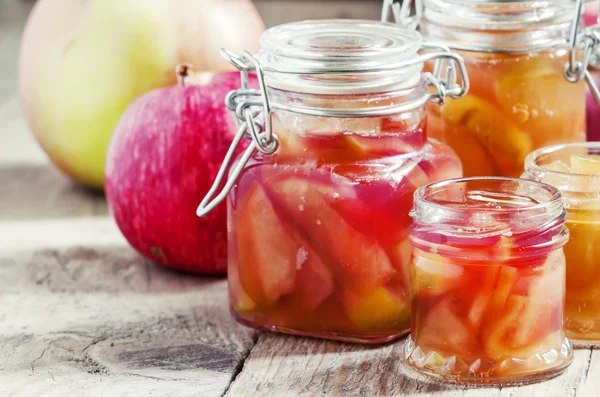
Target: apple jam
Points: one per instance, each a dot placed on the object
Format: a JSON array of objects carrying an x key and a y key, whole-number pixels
[
  {"x": 519, "y": 98},
  {"x": 318, "y": 231},
  {"x": 318, "y": 217},
  {"x": 574, "y": 169},
  {"x": 488, "y": 281}
]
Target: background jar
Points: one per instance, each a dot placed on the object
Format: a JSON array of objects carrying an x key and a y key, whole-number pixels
[
  {"x": 567, "y": 168},
  {"x": 488, "y": 281},
  {"x": 519, "y": 100},
  {"x": 318, "y": 215}
]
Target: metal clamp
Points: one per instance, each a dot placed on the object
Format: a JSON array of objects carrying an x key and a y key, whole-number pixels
[
  {"x": 407, "y": 13},
  {"x": 444, "y": 76},
  {"x": 248, "y": 106}
]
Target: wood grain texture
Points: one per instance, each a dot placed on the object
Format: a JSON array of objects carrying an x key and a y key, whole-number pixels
[
  {"x": 91, "y": 318},
  {"x": 293, "y": 366}
]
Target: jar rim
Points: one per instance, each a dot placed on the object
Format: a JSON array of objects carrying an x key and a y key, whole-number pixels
[
  {"x": 530, "y": 214},
  {"x": 565, "y": 180},
  {"x": 554, "y": 201}
]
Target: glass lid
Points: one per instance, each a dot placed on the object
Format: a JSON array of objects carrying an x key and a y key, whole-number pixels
[
  {"x": 340, "y": 56},
  {"x": 336, "y": 46},
  {"x": 506, "y": 26},
  {"x": 498, "y": 14}
]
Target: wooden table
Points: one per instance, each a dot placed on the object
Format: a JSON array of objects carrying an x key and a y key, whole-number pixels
[{"x": 81, "y": 314}]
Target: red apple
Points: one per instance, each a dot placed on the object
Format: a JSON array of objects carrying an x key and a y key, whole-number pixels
[
  {"x": 593, "y": 110},
  {"x": 590, "y": 13},
  {"x": 162, "y": 159}
]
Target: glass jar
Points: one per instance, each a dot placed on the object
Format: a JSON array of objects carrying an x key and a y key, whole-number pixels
[
  {"x": 519, "y": 99},
  {"x": 488, "y": 281},
  {"x": 575, "y": 170},
  {"x": 318, "y": 205}
]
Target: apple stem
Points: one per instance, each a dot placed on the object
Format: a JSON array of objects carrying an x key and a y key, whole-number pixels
[{"x": 183, "y": 71}]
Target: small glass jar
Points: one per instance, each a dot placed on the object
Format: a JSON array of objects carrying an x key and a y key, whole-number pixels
[
  {"x": 575, "y": 170},
  {"x": 318, "y": 207},
  {"x": 488, "y": 281},
  {"x": 519, "y": 99}
]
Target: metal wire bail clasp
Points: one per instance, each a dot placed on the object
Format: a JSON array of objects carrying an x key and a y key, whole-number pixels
[
  {"x": 589, "y": 37},
  {"x": 407, "y": 13},
  {"x": 448, "y": 66},
  {"x": 252, "y": 113}
]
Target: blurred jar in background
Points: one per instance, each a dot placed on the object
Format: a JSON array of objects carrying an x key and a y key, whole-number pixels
[{"x": 519, "y": 98}]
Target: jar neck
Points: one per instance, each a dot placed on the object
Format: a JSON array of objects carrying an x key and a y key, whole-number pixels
[
  {"x": 514, "y": 27},
  {"x": 329, "y": 138},
  {"x": 343, "y": 100},
  {"x": 489, "y": 211},
  {"x": 400, "y": 113}
]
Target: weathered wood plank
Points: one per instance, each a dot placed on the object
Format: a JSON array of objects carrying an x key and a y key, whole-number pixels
[
  {"x": 82, "y": 314},
  {"x": 590, "y": 376},
  {"x": 31, "y": 236},
  {"x": 286, "y": 365},
  {"x": 41, "y": 191}
]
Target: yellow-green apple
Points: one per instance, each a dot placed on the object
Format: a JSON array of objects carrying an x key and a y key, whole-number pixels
[
  {"x": 162, "y": 160},
  {"x": 83, "y": 62}
]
